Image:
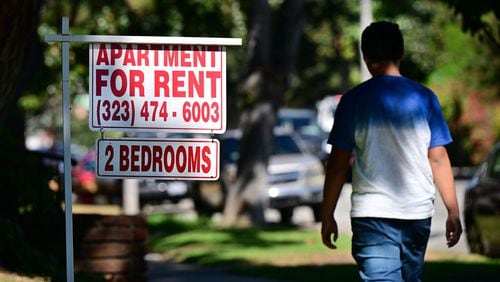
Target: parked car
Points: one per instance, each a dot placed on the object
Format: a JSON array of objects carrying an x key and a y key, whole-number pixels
[
  {"x": 157, "y": 191},
  {"x": 295, "y": 176},
  {"x": 304, "y": 123},
  {"x": 482, "y": 207}
]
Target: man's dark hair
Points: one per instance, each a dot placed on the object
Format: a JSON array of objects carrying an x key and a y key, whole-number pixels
[{"x": 382, "y": 41}]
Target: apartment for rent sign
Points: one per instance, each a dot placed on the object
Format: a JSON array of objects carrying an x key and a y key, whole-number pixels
[{"x": 137, "y": 87}]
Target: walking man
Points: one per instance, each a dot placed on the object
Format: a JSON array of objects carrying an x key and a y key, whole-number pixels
[{"x": 395, "y": 129}]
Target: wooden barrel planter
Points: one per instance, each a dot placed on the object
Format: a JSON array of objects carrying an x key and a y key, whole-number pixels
[{"x": 111, "y": 246}]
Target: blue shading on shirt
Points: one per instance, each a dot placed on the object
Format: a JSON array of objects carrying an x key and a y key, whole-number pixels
[{"x": 390, "y": 123}]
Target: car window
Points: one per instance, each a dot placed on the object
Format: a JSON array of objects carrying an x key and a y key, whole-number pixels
[
  {"x": 283, "y": 144},
  {"x": 229, "y": 150},
  {"x": 301, "y": 125},
  {"x": 494, "y": 171}
]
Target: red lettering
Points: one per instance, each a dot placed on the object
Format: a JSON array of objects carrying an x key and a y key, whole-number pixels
[
  {"x": 170, "y": 58},
  {"x": 178, "y": 83},
  {"x": 136, "y": 82},
  {"x": 205, "y": 155},
  {"x": 157, "y": 153},
  {"x": 193, "y": 159},
  {"x": 143, "y": 55},
  {"x": 134, "y": 158},
  {"x": 212, "y": 50},
  {"x": 197, "y": 84},
  {"x": 109, "y": 152},
  {"x": 100, "y": 82},
  {"x": 181, "y": 159},
  {"x": 118, "y": 73},
  {"x": 102, "y": 55},
  {"x": 129, "y": 58},
  {"x": 199, "y": 58},
  {"x": 161, "y": 83},
  {"x": 124, "y": 158},
  {"x": 213, "y": 76},
  {"x": 146, "y": 158},
  {"x": 185, "y": 58},
  {"x": 155, "y": 49},
  {"x": 169, "y": 159},
  {"x": 116, "y": 52}
]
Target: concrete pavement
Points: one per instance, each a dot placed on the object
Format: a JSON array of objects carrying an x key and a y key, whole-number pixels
[{"x": 160, "y": 270}]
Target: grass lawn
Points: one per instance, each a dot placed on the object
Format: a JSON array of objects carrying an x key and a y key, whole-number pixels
[
  {"x": 284, "y": 252},
  {"x": 11, "y": 277}
]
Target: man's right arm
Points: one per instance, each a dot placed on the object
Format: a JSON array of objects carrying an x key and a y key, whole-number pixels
[{"x": 336, "y": 173}]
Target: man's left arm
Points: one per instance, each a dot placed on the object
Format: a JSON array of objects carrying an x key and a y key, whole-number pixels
[{"x": 445, "y": 183}]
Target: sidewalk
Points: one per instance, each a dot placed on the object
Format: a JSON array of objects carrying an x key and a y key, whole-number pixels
[{"x": 160, "y": 270}]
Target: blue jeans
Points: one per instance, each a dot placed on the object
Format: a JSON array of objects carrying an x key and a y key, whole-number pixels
[{"x": 390, "y": 249}]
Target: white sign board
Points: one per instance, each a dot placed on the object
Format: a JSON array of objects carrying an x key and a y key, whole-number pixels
[
  {"x": 151, "y": 87},
  {"x": 194, "y": 159}
]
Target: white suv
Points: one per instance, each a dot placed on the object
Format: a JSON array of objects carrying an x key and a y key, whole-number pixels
[{"x": 295, "y": 176}]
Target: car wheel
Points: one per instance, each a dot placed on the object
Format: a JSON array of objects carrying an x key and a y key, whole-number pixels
[
  {"x": 474, "y": 238},
  {"x": 316, "y": 209},
  {"x": 286, "y": 215},
  {"x": 208, "y": 197}
]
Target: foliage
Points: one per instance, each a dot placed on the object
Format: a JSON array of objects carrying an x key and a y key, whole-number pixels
[
  {"x": 17, "y": 255},
  {"x": 327, "y": 63},
  {"x": 39, "y": 193},
  {"x": 468, "y": 89},
  {"x": 30, "y": 187},
  {"x": 10, "y": 277},
  {"x": 42, "y": 100},
  {"x": 481, "y": 18}
]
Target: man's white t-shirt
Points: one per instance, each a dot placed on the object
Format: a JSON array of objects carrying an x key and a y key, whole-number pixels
[{"x": 390, "y": 123}]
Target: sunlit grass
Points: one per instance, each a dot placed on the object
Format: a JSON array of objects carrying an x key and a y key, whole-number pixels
[
  {"x": 286, "y": 252},
  {"x": 207, "y": 244},
  {"x": 11, "y": 277}
]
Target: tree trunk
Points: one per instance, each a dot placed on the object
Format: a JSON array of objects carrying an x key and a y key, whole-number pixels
[
  {"x": 270, "y": 65},
  {"x": 18, "y": 21}
]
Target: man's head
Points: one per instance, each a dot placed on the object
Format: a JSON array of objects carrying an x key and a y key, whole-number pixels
[{"x": 382, "y": 42}]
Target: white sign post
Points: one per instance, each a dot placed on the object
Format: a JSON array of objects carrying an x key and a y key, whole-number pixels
[{"x": 180, "y": 83}]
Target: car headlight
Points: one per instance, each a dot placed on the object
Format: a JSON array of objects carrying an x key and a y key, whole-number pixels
[{"x": 273, "y": 192}]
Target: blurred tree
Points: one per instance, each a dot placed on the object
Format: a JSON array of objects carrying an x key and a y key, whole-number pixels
[
  {"x": 466, "y": 78},
  {"x": 272, "y": 48},
  {"x": 479, "y": 17},
  {"x": 18, "y": 23},
  {"x": 29, "y": 185},
  {"x": 328, "y": 59}
]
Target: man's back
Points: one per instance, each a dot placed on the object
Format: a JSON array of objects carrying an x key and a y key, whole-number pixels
[{"x": 390, "y": 127}]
